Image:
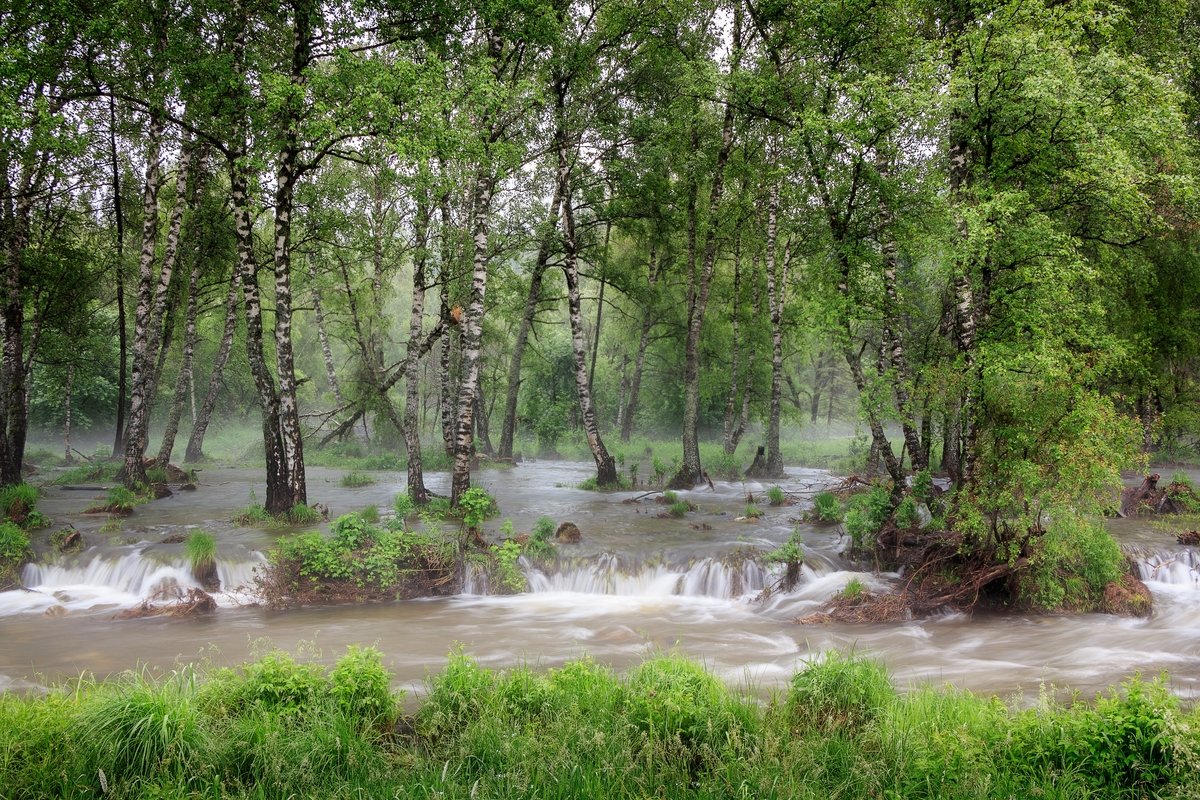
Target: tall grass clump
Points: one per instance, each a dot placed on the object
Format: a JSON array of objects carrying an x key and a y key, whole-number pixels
[
  {"x": 357, "y": 480},
  {"x": 14, "y": 552},
  {"x": 827, "y": 507},
  {"x": 838, "y": 693},
  {"x": 200, "y": 550},
  {"x": 18, "y": 501}
]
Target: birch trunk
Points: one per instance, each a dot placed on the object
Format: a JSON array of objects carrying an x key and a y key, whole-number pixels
[
  {"x": 775, "y": 293},
  {"x": 119, "y": 221},
  {"x": 134, "y": 471},
  {"x": 606, "y": 466},
  {"x": 185, "y": 369},
  {"x": 471, "y": 326},
  {"x": 733, "y": 432},
  {"x": 532, "y": 299},
  {"x": 891, "y": 327},
  {"x": 416, "y": 322},
  {"x": 323, "y": 338},
  {"x": 195, "y": 445},
  {"x": 690, "y": 471},
  {"x": 67, "y": 457},
  {"x": 635, "y": 383}
]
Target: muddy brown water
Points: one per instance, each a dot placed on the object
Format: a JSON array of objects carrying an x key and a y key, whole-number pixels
[{"x": 636, "y": 585}]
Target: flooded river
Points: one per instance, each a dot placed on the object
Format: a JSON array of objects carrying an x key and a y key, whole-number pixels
[{"x": 637, "y": 584}]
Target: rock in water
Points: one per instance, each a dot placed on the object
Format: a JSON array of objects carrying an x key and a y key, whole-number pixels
[{"x": 568, "y": 532}]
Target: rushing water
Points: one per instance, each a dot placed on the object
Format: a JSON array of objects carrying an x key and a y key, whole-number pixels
[{"x": 636, "y": 584}]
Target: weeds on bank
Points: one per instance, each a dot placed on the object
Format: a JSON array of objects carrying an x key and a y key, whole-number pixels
[{"x": 279, "y": 728}]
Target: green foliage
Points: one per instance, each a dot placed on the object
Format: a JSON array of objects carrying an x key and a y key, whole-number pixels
[
  {"x": 359, "y": 562},
  {"x": 257, "y": 516},
  {"x": 722, "y": 466},
  {"x": 670, "y": 497},
  {"x": 866, "y": 513},
  {"x": 505, "y": 567},
  {"x": 370, "y": 513},
  {"x": 301, "y": 514},
  {"x": 922, "y": 486},
  {"x": 838, "y": 693},
  {"x": 92, "y": 472},
  {"x": 362, "y": 687},
  {"x": 200, "y": 549},
  {"x": 14, "y": 551},
  {"x": 679, "y": 508},
  {"x": 121, "y": 500},
  {"x": 678, "y": 703},
  {"x": 404, "y": 506},
  {"x": 790, "y": 552},
  {"x": 356, "y": 480},
  {"x": 18, "y": 501},
  {"x": 776, "y": 496},
  {"x": 853, "y": 590},
  {"x": 906, "y": 516},
  {"x": 279, "y": 728},
  {"x": 752, "y": 511},
  {"x": 827, "y": 507},
  {"x": 1071, "y": 564},
  {"x": 540, "y": 546},
  {"x": 475, "y": 506}
]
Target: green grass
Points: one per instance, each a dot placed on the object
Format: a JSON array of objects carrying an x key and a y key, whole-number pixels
[
  {"x": 200, "y": 550},
  {"x": 282, "y": 728},
  {"x": 97, "y": 472},
  {"x": 256, "y": 515},
  {"x": 356, "y": 480}
]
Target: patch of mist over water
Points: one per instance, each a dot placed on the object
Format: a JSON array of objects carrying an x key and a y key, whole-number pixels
[{"x": 637, "y": 584}]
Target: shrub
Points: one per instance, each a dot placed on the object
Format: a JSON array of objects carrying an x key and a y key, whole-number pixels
[
  {"x": 505, "y": 567},
  {"x": 670, "y": 497},
  {"x": 370, "y": 513},
  {"x": 540, "y": 546},
  {"x": 475, "y": 506},
  {"x": 362, "y": 687},
  {"x": 838, "y": 693},
  {"x": 753, "y": 511},
  {"x": 1070, "y": 565},
  {"x": 827, "y": 507},
  {"x": 679, "y": 508},
  {"x": 279, "y": 684},
  {"x": 776, "y": 496},
  {"x": 866, "y": 513},
  {"x": 672, "y": 699},
  {"x": 906, "y": 515},
  {"x": 403, "y": 505},
  {"x": 922, "y": 487}
]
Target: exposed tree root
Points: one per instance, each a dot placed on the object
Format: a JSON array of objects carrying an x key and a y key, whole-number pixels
[{"x": 1149, "y": 498}]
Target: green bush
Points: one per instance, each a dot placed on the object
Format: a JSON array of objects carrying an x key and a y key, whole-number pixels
[
  {"x": 280, "y": 684},
  {"x": 404, "y": 506},
  {"x": 922, "y": 487},
  {"x": 505, "y": 567},
  {"x": 677, "y": 701},
  {"x": 1070, "y": 565},
  {"x": 853, "y": 590},
  {"x": 776, "y": 496},
  {"x": 540, "y": 546},
  {"x": 362, "y": 687},
  {"x": 752, "y": 511},
  {"x": 827, "y": 507},
  {"x": 121, "y": 500},
  {"x": 200, "y": 549},
  {"x": 906, "y": 515},
  {"x": 475, "y": 506},
  {"x": 679, "y": 508},
  {"x": 838, "y": 693},
  {"x": 866, "y": 513}
]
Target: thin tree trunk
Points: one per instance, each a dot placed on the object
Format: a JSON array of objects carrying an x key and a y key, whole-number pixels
[
  {"x": 471, "y": 327},
  {"x": 195, "y": 445},
  {"x": 67, "y": 457},
  {"x": 185, "y": 369},
  {"x": 775, "y": 293},
  {"x": 599, "y": 310},
  {"x": 323, "y": 338},
  {"x": 416, "y": 321},
  {"x": 690, "y": 471},
  {"x": 122, "y": 344},
  {"x": 639, "y": 363},
  {"x": 532, "y": 300},
  {"x": 606, "y": 466},
  {"x": 891, "y": 326},
  {"x": 135, "y": 441},
  {"x": 447, "y": 412},
  {"x": 732, "y": 430}
]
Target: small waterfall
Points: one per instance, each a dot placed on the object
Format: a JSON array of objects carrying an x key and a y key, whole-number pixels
[
  {"x": 1178, "y": 566},
  {"x": 117, "y": 580},
  {"x": 611, "y": 575}
]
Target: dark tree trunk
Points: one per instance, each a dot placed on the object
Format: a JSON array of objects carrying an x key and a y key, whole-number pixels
[
  {"x": 639, "y": 362},
  {"x": 195, "y": 445},
  {"x": 122, "y": 339}
]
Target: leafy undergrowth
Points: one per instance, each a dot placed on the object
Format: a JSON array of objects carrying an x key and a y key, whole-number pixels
[
  {"x": 360, "y": 562},
  {"x": 279, "y": 728}
]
